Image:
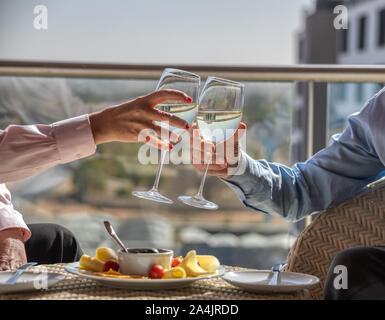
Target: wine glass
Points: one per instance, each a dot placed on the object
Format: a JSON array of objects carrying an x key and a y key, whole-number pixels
[
  {"x": 189, "y": 83},
  {"x": 219, "y": 115}
]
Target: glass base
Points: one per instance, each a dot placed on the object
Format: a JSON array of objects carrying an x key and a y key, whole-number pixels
[
  {"x": 198, "y": 202},
  {"x": 152, "y": 195}
]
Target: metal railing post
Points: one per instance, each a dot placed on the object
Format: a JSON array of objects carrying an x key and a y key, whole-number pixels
[{"x": 310, "y": 127}]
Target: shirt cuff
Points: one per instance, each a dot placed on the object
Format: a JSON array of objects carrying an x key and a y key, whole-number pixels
[
  {"x": 74, "y": 138},
  {"x": 14, "y": 219},
  {"x": 235, "y": 181}
]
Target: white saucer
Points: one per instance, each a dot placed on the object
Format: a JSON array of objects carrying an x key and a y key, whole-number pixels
[
  {"x": 29, "y": 281},
  {"x": 139, "y": 284},
  {"x": 258, "y": 281}
]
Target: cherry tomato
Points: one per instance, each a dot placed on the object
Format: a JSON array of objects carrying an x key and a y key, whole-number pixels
[
  {"x": 176, "y": 262},
  {"x": 156, "y": 272},
  {"x": 111, "y": 264}
]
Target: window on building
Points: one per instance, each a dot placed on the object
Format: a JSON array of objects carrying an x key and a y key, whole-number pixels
[
  {"x": 361, "y": 33},
  {"x": 381, "y": 28},
  {"x": 301, "y": 50},
  {"x": 344, "y": 40}
]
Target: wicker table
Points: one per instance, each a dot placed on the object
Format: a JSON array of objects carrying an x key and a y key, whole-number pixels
[{"x": 77, "y": 288}]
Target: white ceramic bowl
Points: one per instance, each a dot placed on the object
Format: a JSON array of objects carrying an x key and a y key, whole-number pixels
[{"x": 141, "y": 263}]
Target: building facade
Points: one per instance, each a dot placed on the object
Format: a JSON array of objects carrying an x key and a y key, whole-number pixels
[{"x": 363, "y": 42}]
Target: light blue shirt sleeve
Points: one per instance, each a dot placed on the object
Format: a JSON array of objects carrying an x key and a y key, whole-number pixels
[{"x": 352, "y": 160}]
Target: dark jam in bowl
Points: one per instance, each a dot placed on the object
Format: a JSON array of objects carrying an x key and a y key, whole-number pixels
[{"x": 146, "y": 250}]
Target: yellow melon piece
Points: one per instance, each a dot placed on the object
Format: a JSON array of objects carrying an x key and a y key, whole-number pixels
[
  {"x": 105, "y": 254},
  {"x": 91, "y": 264},
  {"x": 209, "y": 263},
  {"x": 190, "y": 265},
  {"x": 174, "y": 273}
]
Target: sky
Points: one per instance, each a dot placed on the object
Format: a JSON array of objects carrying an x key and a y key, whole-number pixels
[{"x": 215, "y": 32}]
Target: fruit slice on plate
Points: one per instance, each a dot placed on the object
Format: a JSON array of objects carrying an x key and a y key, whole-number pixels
[
  {"x": 91, "y": 264},
  {"x": 174, "y": 273},
  {"x": 190, "y": 265},
  {"x": 105, "y": 254},
  {"x": 209, "y": 263}
]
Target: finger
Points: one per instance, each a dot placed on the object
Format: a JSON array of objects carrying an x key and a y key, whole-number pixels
[
  {"x": 198, "y": 144},
  {"x": 241, "y": 130},
  {"x": 4, "y": 266},
  {"x": 213, "y": 170},
  {"x": 213, "y": 167},
  {"x": 13, "y": 264},
  {"x": 201, "y": 167},
  {"x": 170, "y": 119},
  {"x": 233, "y": 142},
  {"x": 239, "y": 133},
  {"x": 167, "y": 95},
  {"x": 208, "y": 157},
  {"x": 219, "y": 173},
  {"x": 165, "y": 133},
  {"x": 157, "y": 143},
  {"x": 195, "y": 138}
]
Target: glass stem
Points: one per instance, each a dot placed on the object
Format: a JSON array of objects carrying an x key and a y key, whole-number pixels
[
  {"x": 158, "y": 172},
  {"x": 200, "y": 191}
]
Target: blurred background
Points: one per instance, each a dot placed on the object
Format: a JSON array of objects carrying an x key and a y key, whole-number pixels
[{"x": 82, "y": 194}]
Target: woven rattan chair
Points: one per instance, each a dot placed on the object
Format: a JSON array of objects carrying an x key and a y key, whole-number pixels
[{"x": 359, "y": 221}]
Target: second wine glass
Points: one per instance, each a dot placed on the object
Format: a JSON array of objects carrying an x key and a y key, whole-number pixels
[
  {"x": 188, "y": 83},
  {"x": 220, "y": 112}
]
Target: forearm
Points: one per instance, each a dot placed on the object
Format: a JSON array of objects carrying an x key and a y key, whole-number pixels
[
  {"x": 27, "y": 150},
  {"x": 272, "y": 188},
  {"x": 296, "y": 192}
]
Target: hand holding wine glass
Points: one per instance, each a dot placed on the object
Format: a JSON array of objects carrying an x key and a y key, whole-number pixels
[
  {"x": 219, "y": 115},
  {"x": 224, "y": 158},
  {"x": 189, "y": 83},
  {"x": 126, "y": 122}
]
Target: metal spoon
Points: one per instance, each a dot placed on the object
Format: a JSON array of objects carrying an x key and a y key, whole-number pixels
[
  {"x": 19, "y": 271},
  {"x": 114, "y": 236},
  {"x": 277, "y": 268}
]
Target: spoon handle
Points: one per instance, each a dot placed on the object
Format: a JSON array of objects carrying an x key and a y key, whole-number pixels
[{"x": 113, "y": 234}]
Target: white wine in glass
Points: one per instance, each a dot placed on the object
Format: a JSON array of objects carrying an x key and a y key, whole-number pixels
[
  {"x": 188, "y": 83},
  {"x": 219, "y": 115},
  {"x": 218, "y": 126},
  {"x": 186, "y": 112}
]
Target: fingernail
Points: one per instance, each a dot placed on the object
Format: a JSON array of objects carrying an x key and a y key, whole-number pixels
[
  {"x": 189, "y": 99},
  {"x": 171, "y": 146},
  {"x": 178, "y": 139},
  {"x": 187, "y": 126}
]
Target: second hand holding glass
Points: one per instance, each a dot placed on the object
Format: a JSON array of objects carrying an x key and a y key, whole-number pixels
[{"x": 220, "y": 112}]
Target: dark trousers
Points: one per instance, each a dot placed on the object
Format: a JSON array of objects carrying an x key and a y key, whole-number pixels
[
  {"x": 51, "y": 243},
  {"x": 365, "y": 268}
]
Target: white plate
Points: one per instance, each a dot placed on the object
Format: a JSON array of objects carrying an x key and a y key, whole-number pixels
[
  {"x": 28, "y": 281},
  {"x": 139, "y": 284},
  {"x": 258, "y": 281}
]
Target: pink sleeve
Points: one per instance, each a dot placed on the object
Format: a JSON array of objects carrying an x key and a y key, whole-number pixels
[
  {"x": 9, "y": 217},
  {"x": 27, "y": 150}
]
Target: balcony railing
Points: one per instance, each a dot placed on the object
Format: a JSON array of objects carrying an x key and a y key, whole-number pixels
[{"x": 316, "y": 126}]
